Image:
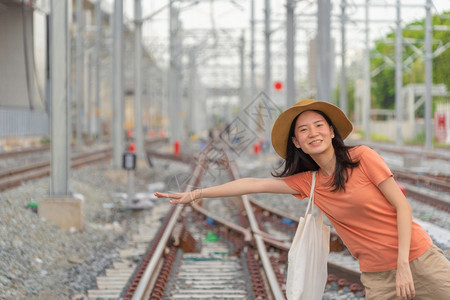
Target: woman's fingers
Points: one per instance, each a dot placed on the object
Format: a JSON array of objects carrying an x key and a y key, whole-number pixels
[
  {"x": 175, "y": 198},
  {"x": 161, "y": 195},
  {"x": 413, "y": 291},
  {"x": 406, "y": 292},
  {"x": 166, "y": 195}
]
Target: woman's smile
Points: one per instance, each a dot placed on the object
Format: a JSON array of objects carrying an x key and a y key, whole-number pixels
[
  {"x": 313, "y": 134},
  {"x": 316, "y": 142}
]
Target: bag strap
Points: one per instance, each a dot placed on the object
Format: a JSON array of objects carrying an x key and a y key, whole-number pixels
[{"x": 311, "y": 198}]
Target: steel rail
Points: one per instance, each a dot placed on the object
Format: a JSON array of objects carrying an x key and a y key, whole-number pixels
[
  {"x": 271, "y": 276},
  {"x": 421, "y": 153},
  {"x": 13, "y": 178},
  {"x": 149, "y": 273},
  {"x": 341, "y": 271},
  {"x": 440, "y": 200},
  {"x": 6, "y": 154},
  {"x": 245, "y": 232},
  {"x": 273, "y": 210},
  {"x": 425, "y": 180},
  {"x": 261, "y": 238}
]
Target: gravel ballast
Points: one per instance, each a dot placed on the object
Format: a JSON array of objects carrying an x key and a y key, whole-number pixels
[{"x": 40, "y": 261}]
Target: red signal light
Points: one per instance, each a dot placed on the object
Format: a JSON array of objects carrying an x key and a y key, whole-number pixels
[{"x": 278, "y": 85}]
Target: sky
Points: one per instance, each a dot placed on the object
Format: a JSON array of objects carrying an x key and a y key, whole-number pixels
[
  {"x": 234, "y": 16},
  {"x": 196, "y": 16}
]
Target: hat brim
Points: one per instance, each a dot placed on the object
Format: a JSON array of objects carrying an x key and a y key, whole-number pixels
[{"x": 281, "y": 127}]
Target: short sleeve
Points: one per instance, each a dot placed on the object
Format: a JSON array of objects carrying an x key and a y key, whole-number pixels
[
  {"x": 373, "y": 165},
  {"x": 300, "y": 183}
]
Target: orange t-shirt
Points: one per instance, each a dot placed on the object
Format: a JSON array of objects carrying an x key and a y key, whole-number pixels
[{"x": 364, "y": 219}]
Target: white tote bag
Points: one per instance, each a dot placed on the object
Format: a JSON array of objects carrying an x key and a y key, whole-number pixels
[{"x": 308, "y": 255}]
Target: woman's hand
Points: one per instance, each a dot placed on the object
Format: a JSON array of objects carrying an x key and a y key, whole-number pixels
[
  {"x": 404, "y": 282},
  {"x": 181, "y": 198}
]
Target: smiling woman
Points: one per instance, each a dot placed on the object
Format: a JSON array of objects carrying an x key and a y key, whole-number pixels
[
  {"x": 321, "y": 127},
  {"x": 355, "y": 189}
]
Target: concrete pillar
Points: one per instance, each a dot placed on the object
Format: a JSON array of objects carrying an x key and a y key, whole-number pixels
[{"x": 64, "y": 211}]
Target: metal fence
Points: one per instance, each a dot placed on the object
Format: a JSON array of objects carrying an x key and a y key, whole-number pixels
[{"x": 21, "y": 122}]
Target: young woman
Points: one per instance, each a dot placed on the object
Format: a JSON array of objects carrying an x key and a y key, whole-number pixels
[{"x": 357, "y": 192}]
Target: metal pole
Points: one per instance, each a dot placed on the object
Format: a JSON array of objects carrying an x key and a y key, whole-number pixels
[
  {"x": 267, "y": 69},
  {"x": 252, "y": 91},
  {"x": 89, "y": 92},
  {"x": 343, "y": 90},
  {"x": 324, "y": 51},
  {"x": 252, "y": 51},
  {"x": 79, "y": 72},
  {"x": 178, "y": 87},
  {"x": 173, "y": 83},
  {"x": 171, "y": 75},
  {"x": 290, "y": 52},
  {"x": 98, "y": 35},
  {"x": 151, "y": 96},
  {"x": 428, "y": 77},
  {"x": 242, "y": 68},
  {"x": 59, "y": 98},
  {"x": 398, "y": 76},
  {"x": 366, "y": 94},
  {"x": 192, "y": 99},
  {"x": 138, "y": 128},
  {"x": 117, "y": 85}
]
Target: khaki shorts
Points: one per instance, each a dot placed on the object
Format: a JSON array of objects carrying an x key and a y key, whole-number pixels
[{"x": 431, "y": 275}]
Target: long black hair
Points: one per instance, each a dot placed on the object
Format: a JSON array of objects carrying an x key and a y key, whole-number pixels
[{"x": 298, "y": 161}]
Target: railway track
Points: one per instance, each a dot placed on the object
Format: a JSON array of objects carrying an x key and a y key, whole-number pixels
[
  {"x": 439, "y": 183},
  {"x": 431, "y": 187},
  {"x": 24, "y": 151},
  {"x": 197, "y": 254},
  {"x": 185, "y": 241},
  {"x": 15, "y": 177},
  {"x": 432, "y": 190},
  {"x": 418, "y": 152}
]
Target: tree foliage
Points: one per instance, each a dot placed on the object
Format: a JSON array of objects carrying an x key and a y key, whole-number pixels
[{"x": 383, "y": 60}]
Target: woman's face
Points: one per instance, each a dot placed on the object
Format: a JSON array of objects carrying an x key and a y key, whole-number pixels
[{"x": 313, "y": 134}]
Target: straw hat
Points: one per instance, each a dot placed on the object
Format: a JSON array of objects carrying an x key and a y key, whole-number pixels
[{"x": 280, "y": 130}]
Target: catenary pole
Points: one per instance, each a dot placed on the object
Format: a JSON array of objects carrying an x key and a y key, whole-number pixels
[
  {"x": 174, "y": 80},
  {"x": 79, "y": 57},
  {"x": 242, "y": 70},
  {"x": 428, "y": 77},
  {"x": 192, "y": 107},
  {"x": 90, "y": 78},
  {"x": 252, "y": 50},
  {"x": 97, "y": 59},
  {"x": 117, "y": 85},
  {"x": 366, "y": 93},
  {"x": 138, "y": 128},
  {"x": 343, "y": 90},
  {"x": 59, "y": 93},
  {"x": 267, "y": 66},
  {"x": 398, "y": 76},
  {"x": 290, "y": 53},
  {"x": 324, "y": 51}
]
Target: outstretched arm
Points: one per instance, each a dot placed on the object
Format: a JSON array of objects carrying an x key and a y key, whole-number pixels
[{"x": 237, "y": 187}]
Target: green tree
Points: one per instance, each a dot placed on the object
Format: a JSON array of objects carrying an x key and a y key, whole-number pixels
[{"x": 383, "y": 60}]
